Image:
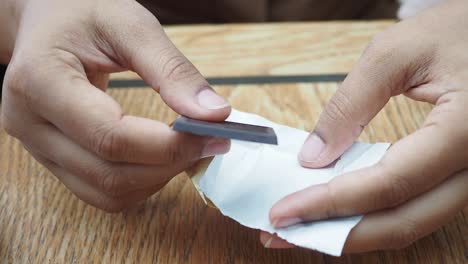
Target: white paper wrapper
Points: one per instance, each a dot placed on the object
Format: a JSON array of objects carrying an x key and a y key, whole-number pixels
[{"x": 246, "y": 182}]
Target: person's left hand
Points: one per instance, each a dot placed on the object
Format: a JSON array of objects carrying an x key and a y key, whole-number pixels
[{"x": 422, "y": 181}]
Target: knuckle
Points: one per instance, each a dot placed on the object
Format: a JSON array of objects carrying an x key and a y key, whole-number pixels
[
  {"x": 174, "y": 153},
  {"x": 65, "y": 59},
  {"x": 408, "y": 232},
  {"x": 108, "y": 143},
  {"x": 331, "y": 205},
  {"x": 17, "y": 97},
  {"x": 183, "y": 150},
  {"x": 175, "y": 67},
  {"x": 374, "y": 43},
  {"x": 380, "y": 47},
  {"x": 110, "y": 180},
  {"x": 408, "y": 69},
  {"x": 15, "y": 82},
  {"x": 383, "y": 49},
  {"x": 338, "y": 109},
  {"x": 396, "y": 190}
]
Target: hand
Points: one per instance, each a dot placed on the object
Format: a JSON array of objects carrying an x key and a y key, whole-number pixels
[
  {"x": 55, "y": 102},
  {"x": 422, "y": 181}
]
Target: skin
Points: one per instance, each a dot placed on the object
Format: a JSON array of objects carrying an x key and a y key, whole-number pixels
[
  {"x": 422, "y": 181},
  {"x": 60, "y": 54}
]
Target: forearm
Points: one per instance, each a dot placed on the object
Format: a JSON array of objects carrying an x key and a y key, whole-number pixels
[{"x": 10, "y": 12}]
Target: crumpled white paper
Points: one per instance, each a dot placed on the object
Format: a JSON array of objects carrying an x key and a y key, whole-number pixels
[{"x": 246, "y": 182}]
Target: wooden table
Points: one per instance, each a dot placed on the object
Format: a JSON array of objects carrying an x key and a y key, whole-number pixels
[{"x": 42, "y": 222}]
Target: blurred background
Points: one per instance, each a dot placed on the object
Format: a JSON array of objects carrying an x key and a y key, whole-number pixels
[
  {"x": 171, "y": 12},
  {"x": 228, "y": 11}
]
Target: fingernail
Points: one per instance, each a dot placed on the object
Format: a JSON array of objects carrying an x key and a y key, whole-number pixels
[
  {"x": 268, "y": 242},
  {"x": 285, "y": 222},
  {"x": 208, "y": 99},
  {"x": 216, "y": 146},
  {"x": 312, "y": 148}
]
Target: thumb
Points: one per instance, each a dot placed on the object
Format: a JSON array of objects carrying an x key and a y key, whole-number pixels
[
  {"x": 384, "y": 70},
  {"x": 148, "y": 51}
]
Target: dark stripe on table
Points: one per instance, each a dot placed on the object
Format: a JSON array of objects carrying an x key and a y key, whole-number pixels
[{"x": 281, "y": 79}]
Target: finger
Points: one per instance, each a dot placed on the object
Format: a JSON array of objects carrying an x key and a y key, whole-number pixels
[
  {"x": 410, "y": 167},
  {"x": 112, "y": 179},
  {"x": 93, "y": 119},
  {"x": 399, "y": 227},
  {"x": 384, "y": 70},
  {"x": 93, "y": 196},
  {"x": 149, "y": 52},
  {"x": 273, "y": 241}
]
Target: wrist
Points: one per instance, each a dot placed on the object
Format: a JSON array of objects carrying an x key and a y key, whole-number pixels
[{"x": 10, "y": 17}]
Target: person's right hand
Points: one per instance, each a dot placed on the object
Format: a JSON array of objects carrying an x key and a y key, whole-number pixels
[{"x": 54, "y": 99}]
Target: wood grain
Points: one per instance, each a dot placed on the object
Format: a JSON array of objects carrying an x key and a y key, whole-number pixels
[
  {"x": 273, "y": 49},
  {"x": 42, "y": 222}
]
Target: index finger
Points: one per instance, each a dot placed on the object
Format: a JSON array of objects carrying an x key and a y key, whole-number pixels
[
  {"x": 93, "y": 119},
  {"x": 388, "y": 67}
]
